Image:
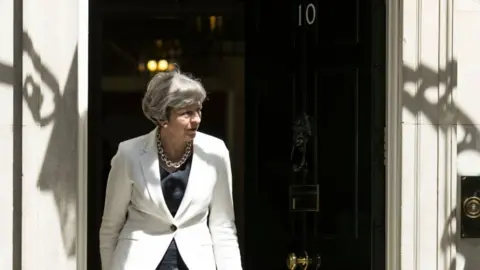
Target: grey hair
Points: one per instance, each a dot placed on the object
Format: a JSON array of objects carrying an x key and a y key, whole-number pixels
[{"x": 170, "y": 90}]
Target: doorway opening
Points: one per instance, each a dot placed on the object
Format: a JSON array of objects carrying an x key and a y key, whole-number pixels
[{"x": 128, "y": 45}]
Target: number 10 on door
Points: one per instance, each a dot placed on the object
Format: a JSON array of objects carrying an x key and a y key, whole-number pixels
[{"x": 307, "y": 14}]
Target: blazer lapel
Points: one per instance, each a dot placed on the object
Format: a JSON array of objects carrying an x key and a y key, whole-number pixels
[
  {"x": 193, "y": 181},
  {"x": 151, "y": 172}
]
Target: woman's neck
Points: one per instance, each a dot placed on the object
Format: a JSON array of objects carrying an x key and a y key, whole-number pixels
[{"x": 173, "y": 147}]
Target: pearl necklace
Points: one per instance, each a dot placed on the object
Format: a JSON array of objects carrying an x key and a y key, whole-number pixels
[{"x": 168, "y": 162}]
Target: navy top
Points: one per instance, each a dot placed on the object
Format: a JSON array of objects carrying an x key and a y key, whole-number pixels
[{"x": 173, "y": 186}]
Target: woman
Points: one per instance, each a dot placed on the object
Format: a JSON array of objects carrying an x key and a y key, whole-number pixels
[{"x": 168, "y": 203}]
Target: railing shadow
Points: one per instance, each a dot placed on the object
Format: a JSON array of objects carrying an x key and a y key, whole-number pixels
[
  {"x": 6, "y": 74},
  {"x": 59, "y": 170},
  {"x": 443, "y": 111}
]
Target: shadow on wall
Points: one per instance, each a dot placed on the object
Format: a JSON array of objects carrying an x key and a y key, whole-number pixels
[
  {"x": 426, "y": 78},
  {"x": 59, "y": 169}
]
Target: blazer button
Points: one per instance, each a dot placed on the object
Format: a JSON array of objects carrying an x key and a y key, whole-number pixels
[{"x": 173, "y": 228}]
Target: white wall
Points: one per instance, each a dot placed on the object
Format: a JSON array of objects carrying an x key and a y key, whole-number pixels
[
  {"x": 6, "y": 132},
  {"x": 466, "y": 50},
  {"x": 428, "y": 130},
  {"x": 50, "y": 120},
  {"x": 440, "y": 130}
]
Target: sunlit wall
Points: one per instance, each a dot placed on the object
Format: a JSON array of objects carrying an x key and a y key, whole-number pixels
[
  {"x": 47, "y": 193},
  {"x": 50, "y": 120},
  {"x": 6, "y": 132},
  {"x": 466, "y": 50},
  {"x": 440, "y": 130}
]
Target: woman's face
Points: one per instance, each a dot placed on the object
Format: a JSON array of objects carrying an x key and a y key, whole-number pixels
[{"x": 184, "y": 122}]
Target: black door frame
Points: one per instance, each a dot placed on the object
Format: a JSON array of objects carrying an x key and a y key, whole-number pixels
[{"x": 378, "y": 117}]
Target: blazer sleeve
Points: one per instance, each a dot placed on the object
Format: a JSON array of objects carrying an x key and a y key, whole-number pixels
[
  {"x": 222, "y": 218},
  {"x": 117, "y": 198}
]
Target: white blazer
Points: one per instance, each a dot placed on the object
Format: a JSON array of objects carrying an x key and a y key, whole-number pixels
[{"x": 137, "y": 226}]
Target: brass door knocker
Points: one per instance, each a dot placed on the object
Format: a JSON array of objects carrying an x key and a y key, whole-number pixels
[{"x": 302, "y": 132}]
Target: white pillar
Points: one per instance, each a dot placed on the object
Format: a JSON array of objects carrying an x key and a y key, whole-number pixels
[
  {"x": 51, "y": 121},
  {"x": 467, "y": 54},
  {"x": 428, "y": 133},
  {"x": 6, "y": 133},
  {"x": 393, "y": 135}
]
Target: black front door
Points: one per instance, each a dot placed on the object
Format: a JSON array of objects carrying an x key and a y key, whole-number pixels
[{"x": 315, "y": 116}]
